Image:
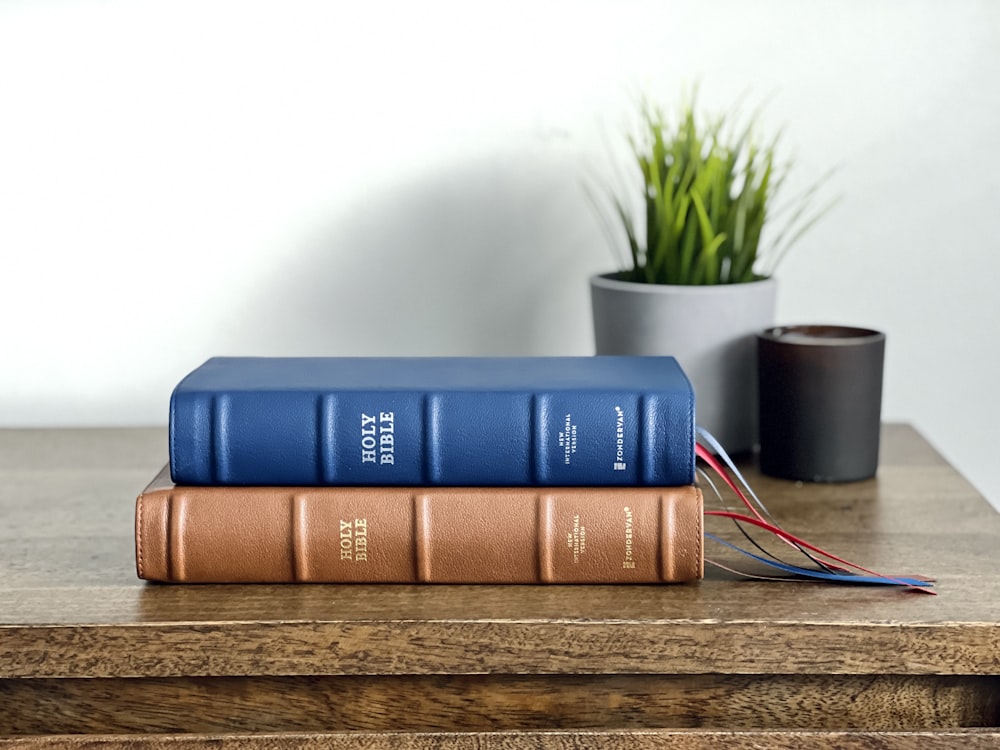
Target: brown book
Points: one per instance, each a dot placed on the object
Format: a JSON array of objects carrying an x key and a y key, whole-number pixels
[{"x": 229, "y": 534}]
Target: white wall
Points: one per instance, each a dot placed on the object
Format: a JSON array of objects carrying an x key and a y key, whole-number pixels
[{"x": 184, "y": 179}]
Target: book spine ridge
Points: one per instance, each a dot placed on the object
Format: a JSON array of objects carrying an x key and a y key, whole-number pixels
[
  {"x": 544, "y": 538},
  {"x": 535, "y": 460},
  {"x": 429, "y": 463},
  {"x": 422, "y": 539},
  {"x": 175, "y": 538},
  {"x": 326, "y": 415},
  {"x": 643, "y": 406}
]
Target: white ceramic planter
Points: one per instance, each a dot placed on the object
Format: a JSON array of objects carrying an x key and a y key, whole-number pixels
[{"x": 709, "y": 329}]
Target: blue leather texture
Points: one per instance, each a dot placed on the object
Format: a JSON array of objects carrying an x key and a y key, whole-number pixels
[{"x": 460, "y": 421}]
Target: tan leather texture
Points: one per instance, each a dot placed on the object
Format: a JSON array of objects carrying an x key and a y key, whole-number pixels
[{"x": 229, "y": 534}]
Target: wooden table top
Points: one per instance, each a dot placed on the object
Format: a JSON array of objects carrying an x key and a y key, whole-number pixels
[{"x": 72, "y": 606}]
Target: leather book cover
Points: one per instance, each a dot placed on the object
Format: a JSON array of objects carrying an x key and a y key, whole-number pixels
[
  {"x": 444, "y": 421},
  {"x": 232, "y": 534}
]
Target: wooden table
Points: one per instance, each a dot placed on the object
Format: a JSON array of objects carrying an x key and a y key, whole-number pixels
[{"x": 88, "y": 650}]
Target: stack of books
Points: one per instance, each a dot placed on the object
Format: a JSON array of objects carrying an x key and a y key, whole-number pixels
[{"x": 426, "y": 470}]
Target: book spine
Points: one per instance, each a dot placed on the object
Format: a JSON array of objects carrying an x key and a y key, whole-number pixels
[
  {"x": 419, "y": 535},
  {"x": 452, "y": 438}
]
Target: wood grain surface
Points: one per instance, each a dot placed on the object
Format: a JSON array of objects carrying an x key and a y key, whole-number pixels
[
  {"x": 88, "y": 650},
  {"x": 480, "y": 703},
  {"x": 607, "y": 740}
]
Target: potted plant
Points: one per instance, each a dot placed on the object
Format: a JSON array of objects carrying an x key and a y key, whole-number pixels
[{"x": 697, "y": 282}]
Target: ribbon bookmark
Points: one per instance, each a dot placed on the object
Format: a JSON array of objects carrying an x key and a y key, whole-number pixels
[{"x": 833, "y": 569}]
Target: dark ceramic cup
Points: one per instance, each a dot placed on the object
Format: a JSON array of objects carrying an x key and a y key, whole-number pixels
[{"x": 820, "y": 402}]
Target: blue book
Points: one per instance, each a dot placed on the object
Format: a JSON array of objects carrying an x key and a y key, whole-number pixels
[{"x": 460, "y": 421}]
